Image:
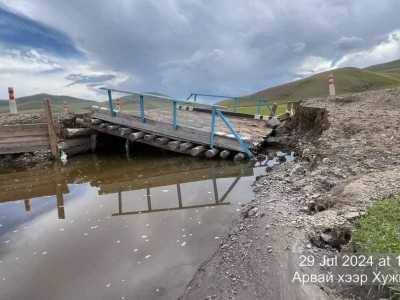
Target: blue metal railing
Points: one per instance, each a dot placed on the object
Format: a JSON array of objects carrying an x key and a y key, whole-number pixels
[
  {"x": 260, "y": 102},
  {"x": 174, "y": 101}
]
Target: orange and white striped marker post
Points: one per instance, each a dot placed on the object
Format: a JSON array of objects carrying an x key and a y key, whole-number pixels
[
  {"x": 331, "y": 82},
  {"x": 12, "y": 102},
  {"x": 27, "y": 205},
  {"x": 65, "y": 106},
  {"x": 118, "y": 104}
]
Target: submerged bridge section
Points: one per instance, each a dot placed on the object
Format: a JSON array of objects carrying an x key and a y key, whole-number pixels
[{"x": 177, "y": 127}]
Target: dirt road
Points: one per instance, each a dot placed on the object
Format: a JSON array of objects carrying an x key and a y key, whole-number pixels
[{"x": 349, "y": 157}]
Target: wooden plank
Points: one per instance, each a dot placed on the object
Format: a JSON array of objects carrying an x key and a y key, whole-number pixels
[
  {"x": 23, "y": 139},
  {"x": 23, "y": 130},
  {"x": 20, "y": 144},
  {"x": 52, "y": 130}
]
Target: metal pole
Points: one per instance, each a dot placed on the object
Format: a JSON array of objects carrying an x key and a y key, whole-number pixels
[
  {"x": 233, "y": 131},
  {"x": 174, "y": 115},
  {"x": 141, "y": 103},
  {"x": 212, "y": 127},
  {"x": 110, "y": 103}
]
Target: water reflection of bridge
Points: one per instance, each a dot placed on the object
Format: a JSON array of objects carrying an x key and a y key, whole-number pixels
[{"x": 117, "y": 177}]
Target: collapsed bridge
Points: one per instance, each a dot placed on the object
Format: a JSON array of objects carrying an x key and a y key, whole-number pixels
[{"x": 188, "y": 127}]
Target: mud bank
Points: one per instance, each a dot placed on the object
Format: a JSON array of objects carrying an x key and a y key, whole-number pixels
[{"x": 349, "y": 157}]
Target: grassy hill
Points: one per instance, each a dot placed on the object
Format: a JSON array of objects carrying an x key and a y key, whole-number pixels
[
  {"x": 34, "y": 103},
  {"x": 131, "y": 102},
  {"x": 347, "y": 80}
]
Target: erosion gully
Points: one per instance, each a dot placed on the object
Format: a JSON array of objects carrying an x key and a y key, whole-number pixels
[{"x": 129, "y": 227}]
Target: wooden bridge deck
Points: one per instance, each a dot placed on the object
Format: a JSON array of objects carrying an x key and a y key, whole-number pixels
[{"x": 192, "y": 135}]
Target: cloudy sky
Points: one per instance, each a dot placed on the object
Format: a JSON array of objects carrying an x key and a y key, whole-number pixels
[{"x": 230, "y": 47}]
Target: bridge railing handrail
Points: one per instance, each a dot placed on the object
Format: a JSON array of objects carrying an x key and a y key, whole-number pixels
[
  {"x": 260, "y": 102},
  {"x": 171, "y": 99}
]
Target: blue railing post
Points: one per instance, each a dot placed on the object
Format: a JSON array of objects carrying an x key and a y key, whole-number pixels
[
  {"x": 212, "y": 127},
  {"x": 174, "y": 115},
  {"x": 141, "y": 104},
  {"x": 270, "y": 110},
  {"x": 259, "y": 107},
  {"x": 235, "y": 107},
  {"x": 110, "y": 103},
  {"x": 195, "y": 98},
  {"x": 237, "y": 137}
]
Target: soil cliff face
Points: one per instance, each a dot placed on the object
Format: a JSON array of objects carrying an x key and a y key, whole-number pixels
[{"x": 309, "y": 122}]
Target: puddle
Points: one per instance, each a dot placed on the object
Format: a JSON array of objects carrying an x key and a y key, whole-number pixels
[{"x": 111, "y": 227}]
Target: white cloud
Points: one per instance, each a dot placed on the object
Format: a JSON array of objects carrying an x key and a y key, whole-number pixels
[
  {"x": 28, "y": 61},
  {"x": 312, "y": 65},
  {"x": 387, "y": 50},
  {"x": 32, "y": 71}
]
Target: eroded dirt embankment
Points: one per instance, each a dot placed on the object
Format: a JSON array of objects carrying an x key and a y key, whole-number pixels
[{"x": 349, "y": 157}]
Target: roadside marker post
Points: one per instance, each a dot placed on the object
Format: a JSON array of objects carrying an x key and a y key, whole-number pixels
[
  {"x": 118, "y": 104},
  {"x": 12, "y": 102},
  {"x": 331, "y": 82}
]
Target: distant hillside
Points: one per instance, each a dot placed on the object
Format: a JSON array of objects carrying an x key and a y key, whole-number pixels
[
  {"x": 131, "y": 102},
  {"x": 391, "y": 68},
  {"x": 34, "y": 103},
  {"x": 347, "y": 80}
]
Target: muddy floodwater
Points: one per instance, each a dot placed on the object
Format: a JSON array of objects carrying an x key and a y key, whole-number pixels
[{"x": 116, "y": 227}]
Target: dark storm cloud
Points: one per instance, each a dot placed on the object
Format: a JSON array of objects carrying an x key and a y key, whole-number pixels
[
  {"x": 347, "y": 43},
  {"x": 224, "y": 46},
  {"x": 21, "y": 31}
]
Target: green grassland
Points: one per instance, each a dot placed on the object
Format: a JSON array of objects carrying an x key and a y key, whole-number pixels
[
  {"x": 34, "y": 104},
  {"x": 379, "y": 232},
  {"x": 347, "y": 80},
  {"x": 131, "y": 102}
]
